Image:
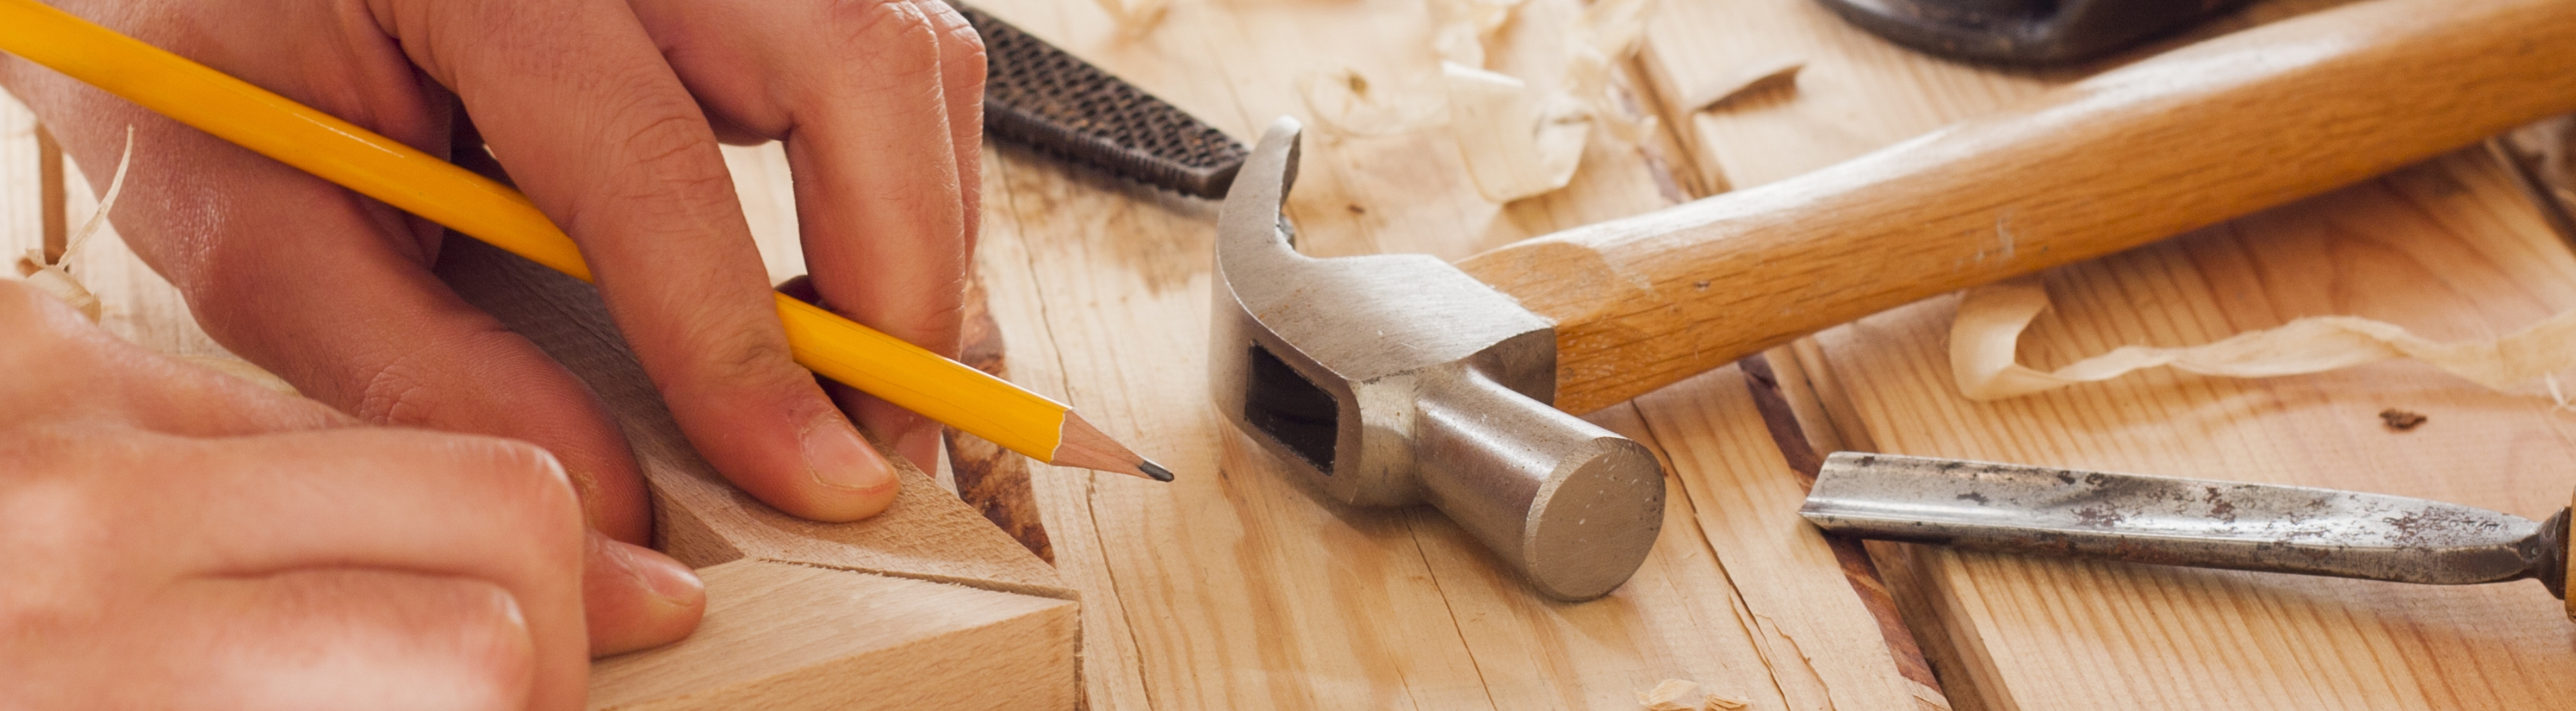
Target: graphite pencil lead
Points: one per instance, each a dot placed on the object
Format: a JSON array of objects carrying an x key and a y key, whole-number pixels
[{"x": 1085, "y": 446}]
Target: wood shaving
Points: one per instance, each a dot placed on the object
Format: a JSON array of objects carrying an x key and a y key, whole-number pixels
[
  {"x": 1757, "y": 75},
  {"x": 1135, "y": 18},
  {"x": 1517, "y": 142},
  {"x": 1990, "y": 321},
  {"x": 1461, "y": 29},
  {"x": 1612, "y": 31},
  {"x": 1523, "y": 134},
  {"x": 1684, "y": 695},
  {"x": 55, "y": 277},
  {"x": 1670, "y": 695}
]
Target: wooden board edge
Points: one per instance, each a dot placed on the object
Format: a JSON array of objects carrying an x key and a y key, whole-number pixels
[{"x": 993, "y": 650}]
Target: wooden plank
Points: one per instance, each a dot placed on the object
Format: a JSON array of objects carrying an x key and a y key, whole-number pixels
[
  {"x": 1859, "y": 94},
  {"x": 2447, "y": 249},
  {"x": 1234, "y": 588},
  {"x": 2143, "y": 639},
  {"x": 849, "y": 640}
]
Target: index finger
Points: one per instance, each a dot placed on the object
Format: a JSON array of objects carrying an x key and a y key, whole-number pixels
[{"x": 579, "y": 105}]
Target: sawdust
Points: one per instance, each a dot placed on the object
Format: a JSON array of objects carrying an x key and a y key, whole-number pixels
[
  {"x": 1991, "y": 319},
  {"x": 55, "y": 277},
  {"x": 1684, "y": 695}
]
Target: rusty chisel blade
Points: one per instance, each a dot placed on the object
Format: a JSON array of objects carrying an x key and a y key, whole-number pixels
[
  {"x": 2190, "y": 522},
  {"x": 1041, "y": 96}
]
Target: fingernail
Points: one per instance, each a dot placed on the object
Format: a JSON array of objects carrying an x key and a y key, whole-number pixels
[
  {"x": 674, "y": 583},
  {"x": 839, "y": 459}
]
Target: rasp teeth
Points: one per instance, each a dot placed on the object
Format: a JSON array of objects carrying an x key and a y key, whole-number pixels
[{"x": 1041, "y": 96}]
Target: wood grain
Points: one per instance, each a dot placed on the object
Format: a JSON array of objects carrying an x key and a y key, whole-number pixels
[
  {"x": 1859, "y": 93},
  {"x": 2446, "y": 249},
  {"x": 1232, "y": 587},
  {"x": 2133, "y": 155},
  {"x": 886, "y": 643}
]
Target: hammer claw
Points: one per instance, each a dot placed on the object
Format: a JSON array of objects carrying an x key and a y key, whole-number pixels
[{"x": 1395, "y": 379}]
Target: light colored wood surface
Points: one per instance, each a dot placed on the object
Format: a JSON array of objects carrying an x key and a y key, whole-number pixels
[
  {"x": 2443, "y": 247},
  {"x": 1232, "y": 588},
  {"x": 890, "y": 643},
  {"x": 2142, "y": 152},
  {"x": 2446, "y": 249}
]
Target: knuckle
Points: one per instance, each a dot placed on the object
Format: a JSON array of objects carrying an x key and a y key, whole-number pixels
[
  {"x": 520, "y": 485},
  {"x": 876, "y": 22},
  {"x": 488, "y": 634},
  {"x": 961, "y": 48}
]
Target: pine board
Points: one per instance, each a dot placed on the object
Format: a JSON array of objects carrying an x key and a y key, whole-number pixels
[{"x": 1232, "y": 588}]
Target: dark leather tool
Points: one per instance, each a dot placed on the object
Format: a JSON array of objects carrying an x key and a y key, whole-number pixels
[
  {"x": 1040, "y": 96},
  {"x": 2028, "y": 32}
]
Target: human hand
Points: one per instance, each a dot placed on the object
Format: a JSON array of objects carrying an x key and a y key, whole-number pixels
[
  {"x": 606, "y": 114},
  {"x": 179, "y": 538}
]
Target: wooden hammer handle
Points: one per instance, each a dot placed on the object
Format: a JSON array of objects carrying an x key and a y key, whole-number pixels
[{"x": 2176, "y": 142}]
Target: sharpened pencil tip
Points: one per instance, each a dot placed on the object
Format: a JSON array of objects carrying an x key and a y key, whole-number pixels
[{"x": 1154, "y": 470}]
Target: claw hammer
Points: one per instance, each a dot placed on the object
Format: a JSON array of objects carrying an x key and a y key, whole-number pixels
[{"x": 1392, "y": 380}]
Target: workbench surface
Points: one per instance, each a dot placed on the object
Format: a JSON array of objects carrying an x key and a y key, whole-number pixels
[{"x": 1232, "y": 588}]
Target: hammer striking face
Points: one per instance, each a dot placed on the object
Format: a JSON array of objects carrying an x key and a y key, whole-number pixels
[{"x": 1391, "y": 380}]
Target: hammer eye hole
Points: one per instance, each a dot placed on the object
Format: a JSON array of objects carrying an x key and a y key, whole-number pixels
[{"x": 1282, "y": 403}]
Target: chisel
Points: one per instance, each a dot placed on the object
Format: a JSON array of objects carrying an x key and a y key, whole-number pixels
[{"x": 2198, "y": 523}]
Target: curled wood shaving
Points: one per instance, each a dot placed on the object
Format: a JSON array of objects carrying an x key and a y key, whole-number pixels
[
  {"x": 1612, "y": 31},
  {"x": 55, "y": 277},
  {"x": 1991, "y": 319},
  {"x": 1461, "y": 29},
  {"x": 1524, "y": 135},
  {"x": 1517, "y": 142}
]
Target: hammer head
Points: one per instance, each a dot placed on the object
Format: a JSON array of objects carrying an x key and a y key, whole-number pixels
[{"x": 1395, "y": 379}]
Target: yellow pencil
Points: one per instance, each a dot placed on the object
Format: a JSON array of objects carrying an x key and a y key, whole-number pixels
[{"x": 423, "y": 185}]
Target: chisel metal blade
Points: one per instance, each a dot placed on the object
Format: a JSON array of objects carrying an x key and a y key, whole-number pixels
[{"x": 2189, "y": 522}]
